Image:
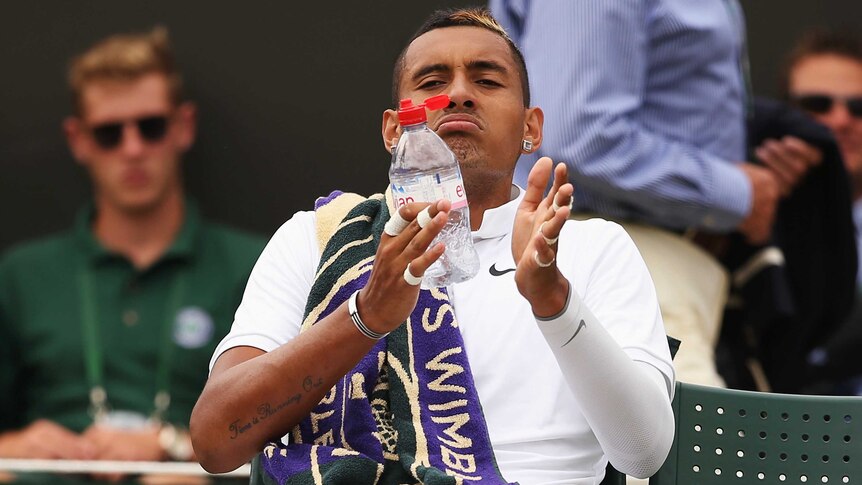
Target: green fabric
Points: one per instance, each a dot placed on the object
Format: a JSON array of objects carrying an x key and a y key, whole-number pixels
[{"x": 41, "y": 346}]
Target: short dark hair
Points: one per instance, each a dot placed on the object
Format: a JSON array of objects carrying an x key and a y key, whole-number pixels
[
  {"x": 462, "y": 17},
  {"x": 820, "y": 42}
]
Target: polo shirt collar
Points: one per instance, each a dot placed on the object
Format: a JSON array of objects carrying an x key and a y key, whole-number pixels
[
  {"x": 497, "y": 222},
  {"x": 183, "y": 247}
]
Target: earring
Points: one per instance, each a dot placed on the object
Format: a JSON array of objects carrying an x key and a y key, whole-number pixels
[{"x": 527, "y": 145}]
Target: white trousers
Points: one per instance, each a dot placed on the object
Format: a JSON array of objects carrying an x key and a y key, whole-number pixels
[{"x": 692, "y": 289}]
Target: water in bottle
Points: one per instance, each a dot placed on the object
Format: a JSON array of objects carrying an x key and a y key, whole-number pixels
[{"x": 424, "y": 169}]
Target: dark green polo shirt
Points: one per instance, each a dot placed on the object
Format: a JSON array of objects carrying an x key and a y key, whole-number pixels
[{"x": 42, "y": 351}]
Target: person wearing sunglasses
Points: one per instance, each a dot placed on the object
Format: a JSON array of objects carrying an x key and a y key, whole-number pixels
[
  {"x": 823, "y": 77},
  {"x": 106, "y": 330}
]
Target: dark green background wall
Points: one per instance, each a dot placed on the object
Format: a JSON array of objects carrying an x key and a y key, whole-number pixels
[{"x": 290, "y": 96}]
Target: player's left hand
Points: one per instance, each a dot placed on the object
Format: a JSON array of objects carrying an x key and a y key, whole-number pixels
[{"x": 535, "y": 235}]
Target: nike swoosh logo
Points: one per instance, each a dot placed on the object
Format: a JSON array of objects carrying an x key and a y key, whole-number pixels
[
  {"x": 496, "y": 272},
  {"x": 580, "y": 326}
]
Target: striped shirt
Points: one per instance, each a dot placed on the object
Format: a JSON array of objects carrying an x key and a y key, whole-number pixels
[{"x": 644, "y": 101}]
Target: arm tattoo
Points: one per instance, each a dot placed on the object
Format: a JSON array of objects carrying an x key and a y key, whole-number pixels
[{"x": 266, "y": 410}]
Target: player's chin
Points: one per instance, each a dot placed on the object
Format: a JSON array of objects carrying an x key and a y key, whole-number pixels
[{"x": 465, "y": 148}]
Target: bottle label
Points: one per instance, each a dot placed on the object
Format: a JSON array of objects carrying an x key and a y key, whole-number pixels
[{"x": 431, "y": 188}]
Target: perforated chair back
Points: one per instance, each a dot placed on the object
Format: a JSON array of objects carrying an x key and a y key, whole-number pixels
[{"x": 728, "y": 436}]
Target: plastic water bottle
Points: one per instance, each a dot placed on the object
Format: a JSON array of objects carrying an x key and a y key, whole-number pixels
[{"x": 424, "y": 169}]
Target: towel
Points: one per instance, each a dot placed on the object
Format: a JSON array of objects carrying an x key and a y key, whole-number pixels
[{"x": 408, "y": 412}]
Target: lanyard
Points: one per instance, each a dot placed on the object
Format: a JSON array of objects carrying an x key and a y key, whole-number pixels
[{"x": 93, "y": 354}]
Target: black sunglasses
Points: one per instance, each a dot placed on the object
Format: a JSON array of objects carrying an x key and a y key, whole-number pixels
[
  {"x": 823, "y": 103},
  {"x": 151, "y": 128}
]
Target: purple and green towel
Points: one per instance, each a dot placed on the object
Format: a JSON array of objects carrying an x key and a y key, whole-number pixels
[{"x": 408, "y": 412}]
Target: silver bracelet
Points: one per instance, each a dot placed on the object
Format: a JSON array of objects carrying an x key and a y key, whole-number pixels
[{"x": 360, "y": 325}]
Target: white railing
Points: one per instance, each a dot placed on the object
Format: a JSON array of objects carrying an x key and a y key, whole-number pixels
[{"x": 124, "y": 467}]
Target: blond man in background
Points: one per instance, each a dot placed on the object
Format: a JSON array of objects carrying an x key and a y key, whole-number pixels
[{"x": 106, "y": 330}]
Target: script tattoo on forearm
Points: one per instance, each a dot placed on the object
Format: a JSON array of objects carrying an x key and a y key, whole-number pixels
[{"x": 266, "y": 410}]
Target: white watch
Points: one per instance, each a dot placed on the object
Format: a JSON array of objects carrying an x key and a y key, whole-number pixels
[{"x": 175, "y": 442}]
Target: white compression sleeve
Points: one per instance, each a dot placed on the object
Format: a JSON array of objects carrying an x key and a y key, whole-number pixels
[{"x": 626, "y": 402}]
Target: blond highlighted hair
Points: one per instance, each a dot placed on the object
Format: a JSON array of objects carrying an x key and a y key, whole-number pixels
[
  {"x": 125, "y": 57},
  {"x": 476, "y": 17}
]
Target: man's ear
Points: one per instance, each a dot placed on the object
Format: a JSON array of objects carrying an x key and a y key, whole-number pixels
[
  {"x": 187, "y": 125},
  {"x": 391, "y": 129},
  {"x": 533, "y": 122},
  {"x": 74, "y": 131}
]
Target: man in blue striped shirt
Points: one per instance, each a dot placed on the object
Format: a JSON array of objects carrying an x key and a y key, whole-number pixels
[{"x": 645, "y": 100}]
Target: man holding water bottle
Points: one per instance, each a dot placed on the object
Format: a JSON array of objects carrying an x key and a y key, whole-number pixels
[{"x": 371, "y": 379}]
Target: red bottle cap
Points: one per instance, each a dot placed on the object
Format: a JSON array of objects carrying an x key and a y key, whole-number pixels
[{"x": 410, "y": 114}]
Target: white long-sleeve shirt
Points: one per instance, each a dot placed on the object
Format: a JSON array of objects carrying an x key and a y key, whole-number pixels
[{"x": 555, "y": 414}]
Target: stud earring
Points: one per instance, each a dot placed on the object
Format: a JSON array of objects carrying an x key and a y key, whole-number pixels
[{"x": 527, "y": 145}]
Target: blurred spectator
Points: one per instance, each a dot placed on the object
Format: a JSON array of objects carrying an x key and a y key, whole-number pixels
[
  {"x": 824, "y": 78},
  {"x": 789, "y": 295},
  {"x": 646, "y": 103},
  {"x": 106, "y": 330}
]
